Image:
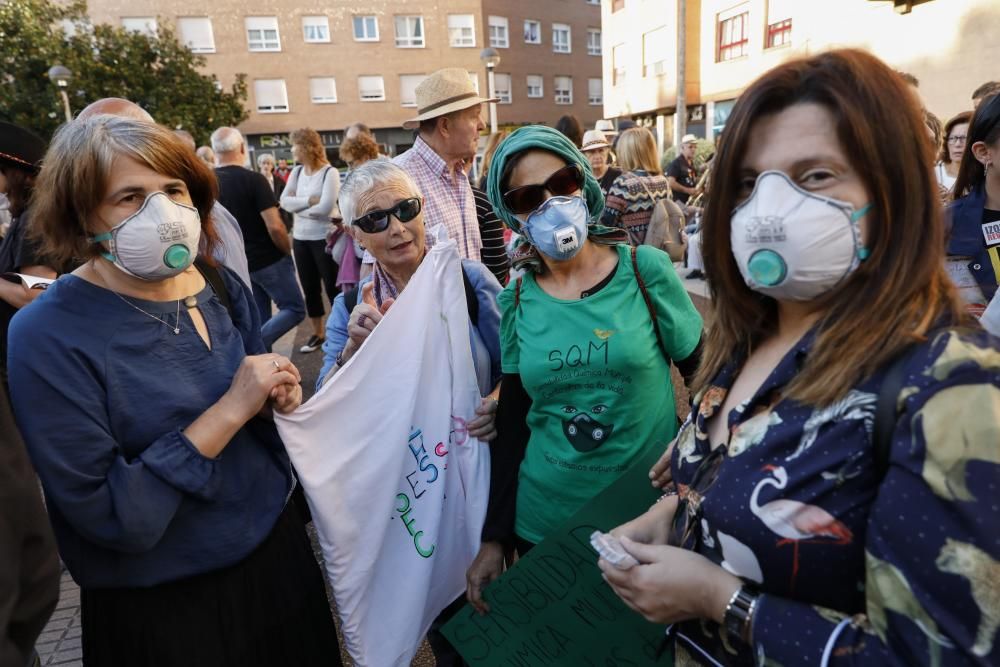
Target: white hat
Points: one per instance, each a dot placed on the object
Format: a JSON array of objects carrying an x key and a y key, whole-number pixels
[
  {"x": 689, "y": 139},
  {"x": 444, "y": 91},
  {"x": 605, "y": 126},
  {"x": 594, "y": 139}
]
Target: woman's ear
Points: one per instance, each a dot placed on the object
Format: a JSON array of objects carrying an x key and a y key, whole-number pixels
[{"x": 981, "y": 152}]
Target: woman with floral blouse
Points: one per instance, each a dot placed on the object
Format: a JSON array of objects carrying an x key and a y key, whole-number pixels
[{"x": 787, "y": 535}]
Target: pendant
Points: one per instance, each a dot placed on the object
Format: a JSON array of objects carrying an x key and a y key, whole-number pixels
[
  {"x": 177, "y": 330},
  {"x": 190, "y": 301}
]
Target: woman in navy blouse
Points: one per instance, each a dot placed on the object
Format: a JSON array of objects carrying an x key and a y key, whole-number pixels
[
  {"x": 788, "y": 535},
  {"x": 144, "y": 394}
]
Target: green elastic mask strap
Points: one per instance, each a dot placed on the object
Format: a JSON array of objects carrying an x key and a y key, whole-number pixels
[{"x": 863, "y": 252}]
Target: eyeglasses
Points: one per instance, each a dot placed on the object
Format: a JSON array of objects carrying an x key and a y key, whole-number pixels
[
  {"x": 959, "y": 139},
  {"x": 527, "y": 198},
  {"x": 374, "y": 222}
]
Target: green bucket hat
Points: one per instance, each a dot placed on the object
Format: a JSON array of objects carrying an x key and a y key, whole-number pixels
[{"x": 545, "y": 138}]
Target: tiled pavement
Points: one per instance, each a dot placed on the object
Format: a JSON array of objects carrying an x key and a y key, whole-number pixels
[{"x": 59, "y": 644}]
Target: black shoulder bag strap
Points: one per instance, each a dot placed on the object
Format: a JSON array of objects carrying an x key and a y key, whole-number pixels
[
  {"x": 214, "y": 278},
  {"x": 649, "y": 306}
]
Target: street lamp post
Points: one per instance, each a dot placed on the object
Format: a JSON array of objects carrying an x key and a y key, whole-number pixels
[
  {"x": 60, "y": 76},
  {"x": 491, "y": 59}
]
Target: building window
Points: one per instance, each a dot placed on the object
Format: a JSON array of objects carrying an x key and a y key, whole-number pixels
[
  {"x": 536, "y": 85},
  {"x": 408, "y": 88},
  {"x": 315, "y": 29},
  {"x": 595, "y": 92},
  {"x": 501, "y": 85},
  {"x": 462, "y": 30},
  {"x": 654, "y": 52},
  {"x": 617, "y": 5},
  {"x": 593, "y": 42},
  {"x": 593, "y": 2},
  {"x": 195, "y": 32},
  {"x": 262, "y": 34},
  {"x": 270, "y": 95},
  {"x": 779, "y": 33},
  {"x": 560, "y": 38},
  {"x": 733, "y": 37},
  {"x": 410, "y": 32},
  {"x": 144, "y": 25},
  {"x": 323, "y": 90},
  {"x": 563, "y": 89},
  {"x": 499, "y": 32},
  {"x": 365, "y": 29},
  {"x": 474, "y": 78},
  {"x": 532, "y": 32},
  {"x": 618, "y": 65},
  {"x": 371, "y": 89}
]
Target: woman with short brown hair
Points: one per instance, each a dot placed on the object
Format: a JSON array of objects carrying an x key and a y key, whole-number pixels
[
  {"x": 827, "y": 501},
  {"x": 950, "y": 156},
  {"x": 131, "y": 377}
]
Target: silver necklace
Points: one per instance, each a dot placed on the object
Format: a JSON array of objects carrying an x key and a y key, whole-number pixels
[{"x": 176, "y": 328}]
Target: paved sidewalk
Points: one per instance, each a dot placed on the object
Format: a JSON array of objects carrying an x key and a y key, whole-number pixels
[{"x": 59, "y": 644}]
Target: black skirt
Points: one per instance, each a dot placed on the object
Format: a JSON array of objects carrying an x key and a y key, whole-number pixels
[{"x": 268, "y": 610}]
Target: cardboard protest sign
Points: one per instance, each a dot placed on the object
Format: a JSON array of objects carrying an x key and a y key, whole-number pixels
[{"x": 553, "y": 607}]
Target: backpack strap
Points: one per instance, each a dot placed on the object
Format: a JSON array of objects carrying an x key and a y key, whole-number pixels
[
  {"x": 649, "y": 304},
  {"x": 351, "y": 299},
  {"x": 213, "y": 277},
  {"x": 887, "y": 410}
]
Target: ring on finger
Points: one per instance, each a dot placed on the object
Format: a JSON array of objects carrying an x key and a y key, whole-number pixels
[
  {"x": 277, "y": 367},
  {"x": 361, "y": 319}
]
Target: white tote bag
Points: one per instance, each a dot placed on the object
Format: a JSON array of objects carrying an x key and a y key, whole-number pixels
[{"x": 397, "y": 488}]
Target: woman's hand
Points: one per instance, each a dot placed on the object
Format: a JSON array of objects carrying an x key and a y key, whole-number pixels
[
  {"x": 313, "y": 200},
  {"x": 670, "y": 585},
  {"x": 285, "y": 398},
  {"x": 660, "y": 474},
  {"x": 255, "y": 381},
  {"x": 652, "y": 527},
  {"x": 487, "y": 566},
  {"x": 484, "y": 427}
]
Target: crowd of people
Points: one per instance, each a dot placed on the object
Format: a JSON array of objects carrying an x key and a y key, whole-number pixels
[{"x": 829, "y": 499}]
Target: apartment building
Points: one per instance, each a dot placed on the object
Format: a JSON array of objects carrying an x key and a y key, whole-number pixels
[
  {"x": 949, "y": 45},
  {"x": 326, "y": 65}
]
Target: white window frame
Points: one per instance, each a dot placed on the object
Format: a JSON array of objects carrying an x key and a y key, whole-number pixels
[
  {"x": 144, "y": 25},
  {"x": 591, "y": 50},
  {"x": 538, "y": 31},
  {"x": 595, "y": 100},
  {"x": 366, "y": 20},
  {"x": 197, "y": 25},
  {"x": 280, "y": 105},
  {"x": 317, "y": 21},
  {"x": 593, "y": 2},
  {"x": 536, "y": 81},
  {"x": 504, "y": 94},
  {"x": 562, "y": 96},
  {"x": 261, "y": 24},
  {"x": 457, "y": 37},
  {"x": 413, "y": 80},
  {"x": 652, "y": 67},
  {"x": 498, "y": 28},
  {"x": 618, "y": 69},
  {"x": 323, "y": 99},
  {"x": 371, "y": 79},
  {"x": 410, "y": 40},
  {"x": 557, "y": 46},
  {"x": 474, "y": 78}
]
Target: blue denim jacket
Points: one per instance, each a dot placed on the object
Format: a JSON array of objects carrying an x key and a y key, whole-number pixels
[{"x": 966, "y": 218}]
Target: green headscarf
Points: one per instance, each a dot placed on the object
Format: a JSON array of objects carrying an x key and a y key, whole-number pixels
[{"x": 555, "y": 142}]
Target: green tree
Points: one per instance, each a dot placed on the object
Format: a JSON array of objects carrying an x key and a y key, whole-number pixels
[{"x": 156, "y": 72}]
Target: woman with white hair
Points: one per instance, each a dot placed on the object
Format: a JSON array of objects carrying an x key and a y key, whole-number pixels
[
  {"x": 383, "y": 210},
  {"x": 265, "y": 165}
]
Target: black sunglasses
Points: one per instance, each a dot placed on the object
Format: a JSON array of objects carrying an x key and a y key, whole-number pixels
[
  {"x": 527, "y": 198},
  {"x": 374, "y": 222}
]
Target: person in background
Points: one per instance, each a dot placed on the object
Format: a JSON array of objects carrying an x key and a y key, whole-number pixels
[
  {"x": 802, "y": 524},
  {"x": 358, "y": 148},
  {"x": 974, "y": 233},
  {"x": 356, "y": 129},
  {"x": 251, "y": 200},
  {"x": 955, "y": 132},
  {"x": 559, "y": 444},
  {"x": 598, "y": 152},
  {"x": 21, "y": 152},
  {"x": 265, "y": 165},
  {"x": 151, "y": 426},
  {"x": 935, "y": 132},
  {"x": 635, "y": 193},
  {"x": 492, "y": 142},
  {"x": 494, "y": 252},
  {"x": 982, "y": 92},
  {"x": 282, "y": 170},
  {"x": 229, "y": 251},
  {"x": 681, "y": 174},
  {"x": 311, "y": 194},
  {"x": 206, "y": 155},
  {"x": 570, "y": 126}
]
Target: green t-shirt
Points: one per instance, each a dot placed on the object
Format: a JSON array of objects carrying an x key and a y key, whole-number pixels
[{"x": 600, "y": 387}]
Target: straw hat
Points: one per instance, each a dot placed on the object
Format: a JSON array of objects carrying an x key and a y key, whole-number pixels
[
  {"x": 594, "y": 139},
  {"x": 689, "y": 139},
  {"x": 444, "y": 91}
]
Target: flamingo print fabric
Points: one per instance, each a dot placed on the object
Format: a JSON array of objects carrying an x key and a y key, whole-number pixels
[
  {"x": 396, "y": 486},
  {"x": 854, "y": 570}
]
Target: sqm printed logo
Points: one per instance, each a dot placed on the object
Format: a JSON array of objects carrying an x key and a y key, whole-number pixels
[{"x": 766, "y": 229}]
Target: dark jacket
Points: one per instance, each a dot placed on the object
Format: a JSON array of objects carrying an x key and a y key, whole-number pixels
[{"x": 965, "y": 219}]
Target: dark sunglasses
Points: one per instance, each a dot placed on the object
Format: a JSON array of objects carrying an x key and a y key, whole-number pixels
[
  {"x": 374, "y": 222},
  {"x": 527, "y": 198}
]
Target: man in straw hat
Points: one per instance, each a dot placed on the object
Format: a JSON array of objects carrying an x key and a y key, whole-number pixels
[{"x": 448, "y": 125}]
